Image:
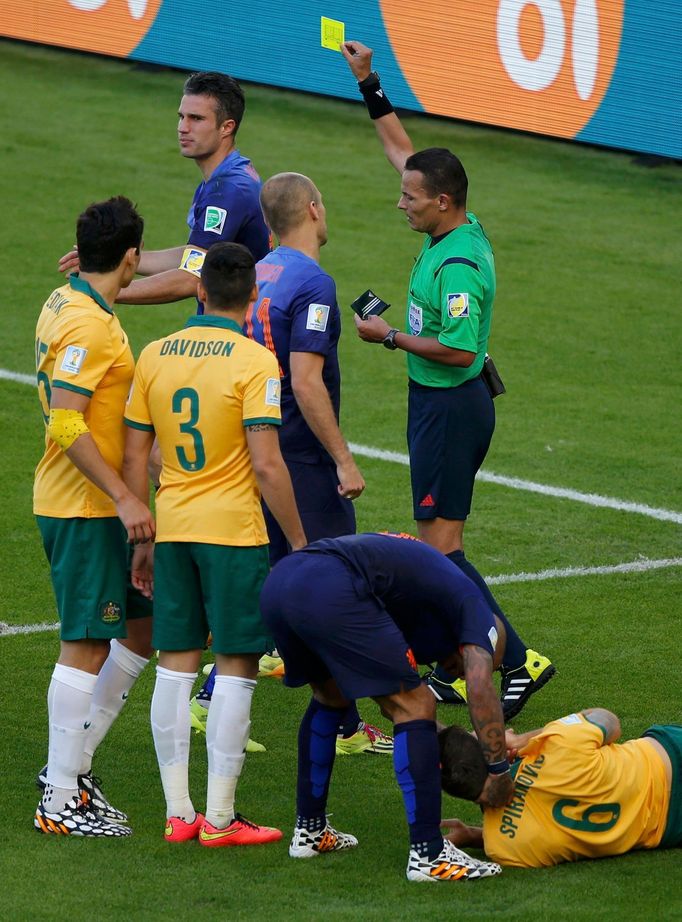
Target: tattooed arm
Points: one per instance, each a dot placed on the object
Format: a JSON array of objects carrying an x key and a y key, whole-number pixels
[{"x": 486, "y": 716}]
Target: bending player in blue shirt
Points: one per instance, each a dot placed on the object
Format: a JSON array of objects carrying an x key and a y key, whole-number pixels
[{"x": 352, "y": 617}]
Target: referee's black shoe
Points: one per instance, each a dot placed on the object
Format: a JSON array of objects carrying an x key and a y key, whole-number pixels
[{"x": 452, "y": 692}]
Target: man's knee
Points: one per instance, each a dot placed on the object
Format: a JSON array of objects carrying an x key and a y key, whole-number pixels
[
  {"x": 87, "y": 655},
  {"x": 445, "y": 535},
  {"x": 409, "y": 704},
  {"x": 329, "y": 694},
  {"x": 139, "y": 639}
]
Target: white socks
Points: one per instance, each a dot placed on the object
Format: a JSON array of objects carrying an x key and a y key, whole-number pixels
[
  {"x": 68, "y": 706},
  {"x": 171, "y": 731},
  {"x": 117, "y": 676},
  {"x": 227, "y": 733}
]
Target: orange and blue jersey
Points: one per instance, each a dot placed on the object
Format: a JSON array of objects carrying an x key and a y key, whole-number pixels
[{"x": 297, "y": 311}]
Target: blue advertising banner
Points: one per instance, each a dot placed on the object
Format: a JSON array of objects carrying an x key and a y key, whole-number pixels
[{"x": 601, "y": 71}]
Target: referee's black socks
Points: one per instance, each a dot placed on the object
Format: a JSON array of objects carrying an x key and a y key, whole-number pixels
[{"x": 515, "y": 651}]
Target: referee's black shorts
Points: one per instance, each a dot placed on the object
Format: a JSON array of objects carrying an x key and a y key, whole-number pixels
[{"x": 448, "y": 433}]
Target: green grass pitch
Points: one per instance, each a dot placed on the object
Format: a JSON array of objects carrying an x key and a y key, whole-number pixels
[{"x": 587, "y": 337}]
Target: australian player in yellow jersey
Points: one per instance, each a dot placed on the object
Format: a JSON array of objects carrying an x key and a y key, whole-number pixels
[
  {"x": 84, "y": 371},
  {"x": 578, "y": 793},
  {"x": 212, "y": 398}
]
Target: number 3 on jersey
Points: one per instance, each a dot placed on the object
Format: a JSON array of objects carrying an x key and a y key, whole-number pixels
[{"x": 186, "y": 402}]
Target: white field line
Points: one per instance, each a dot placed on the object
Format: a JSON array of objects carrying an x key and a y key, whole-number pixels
[
  {"x": 17, "y": 376},
  {"x": 515, "y": 483},
  {"x": 636, "y": 566},
  {"x": 11, "y": 630}
]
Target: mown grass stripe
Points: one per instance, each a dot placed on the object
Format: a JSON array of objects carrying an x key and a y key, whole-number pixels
[{"x": 530, "y": 486}]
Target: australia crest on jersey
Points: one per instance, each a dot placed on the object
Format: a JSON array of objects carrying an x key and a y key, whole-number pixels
[
  {"x": 111, "y": 612},
  {"x": 415, "y": 319}
]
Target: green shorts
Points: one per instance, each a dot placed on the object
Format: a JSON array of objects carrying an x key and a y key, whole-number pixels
[
  {"x": 209, "y": 587},
  {"x": 670, "y": 737},
  {"x": 89, "y": 568}
]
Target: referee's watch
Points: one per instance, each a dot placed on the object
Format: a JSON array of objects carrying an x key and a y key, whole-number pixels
[{"x": 389, "y": 339}]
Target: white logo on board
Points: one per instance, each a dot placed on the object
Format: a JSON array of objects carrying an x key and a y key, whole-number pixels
[
  {"x": 540, "y": 72},
  {"x": 137, "y": 7}
]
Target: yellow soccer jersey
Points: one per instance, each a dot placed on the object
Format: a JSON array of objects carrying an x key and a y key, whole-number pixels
[
  {"x": 81, "y": 346},
  {"x": 197, "y": 389},
  {"x": 577, "y": 798}
]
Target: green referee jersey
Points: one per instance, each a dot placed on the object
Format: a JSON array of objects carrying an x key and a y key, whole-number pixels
[{"x": 451, "y": 293}]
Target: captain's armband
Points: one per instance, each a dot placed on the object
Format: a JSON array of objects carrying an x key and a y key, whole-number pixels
[
  {"x": 192, "y": 261},
  {"x": 65, "y": 426}
]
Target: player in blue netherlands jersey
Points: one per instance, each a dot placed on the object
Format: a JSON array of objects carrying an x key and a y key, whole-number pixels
[
  {"x": 226, "y": 203},
  {"x": 352, "y": 617},
  {"x": 297, "y": 317}
]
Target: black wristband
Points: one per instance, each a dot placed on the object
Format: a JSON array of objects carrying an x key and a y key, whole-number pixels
[
  {"x": 498, "y": 768},
  {"x": 371, "y": 81},
  {"x": 376, "y": 100}
]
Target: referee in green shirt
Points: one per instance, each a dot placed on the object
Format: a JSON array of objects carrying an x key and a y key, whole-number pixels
[{"x": 451, "y": 418}]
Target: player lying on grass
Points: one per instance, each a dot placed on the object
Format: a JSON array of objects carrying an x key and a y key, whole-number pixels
[
  {"x": 352, "y": 617},
  {"x": 577, "y": 793}
]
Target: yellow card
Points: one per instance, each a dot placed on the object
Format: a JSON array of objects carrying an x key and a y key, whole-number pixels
[{"x": 332, "y": 33}]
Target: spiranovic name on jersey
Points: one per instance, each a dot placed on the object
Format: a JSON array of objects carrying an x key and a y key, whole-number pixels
[
  {"x": 575, "y": 797},
  {"x": 198, "y": 389}
]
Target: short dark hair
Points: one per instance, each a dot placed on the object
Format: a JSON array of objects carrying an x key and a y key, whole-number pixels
[
  {"x": 105, "y": 231},
  {"x": 443, "y": 173},
  {"x": 229, "y": 96},
  {"x": 462, "y": 764},
  {"x": 228, "y": 275}
]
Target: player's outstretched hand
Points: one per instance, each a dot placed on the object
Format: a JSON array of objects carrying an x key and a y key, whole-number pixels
[
  {"x": 511, "y": 741},
  {"x": 461, "y": 835},
  {"x": 351, "y": 481},
  {"x": 497, "y": 791},
  {"x": 359, "y": 59},
  {"x": 137, "y": 518},
  {"x": 142, "y": 570},
  {"x": 372, "y": 330},
  {"x": 69, "y": 262}
]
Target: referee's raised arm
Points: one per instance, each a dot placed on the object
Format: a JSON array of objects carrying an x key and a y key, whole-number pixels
[{"x": 395, "y": 140}]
